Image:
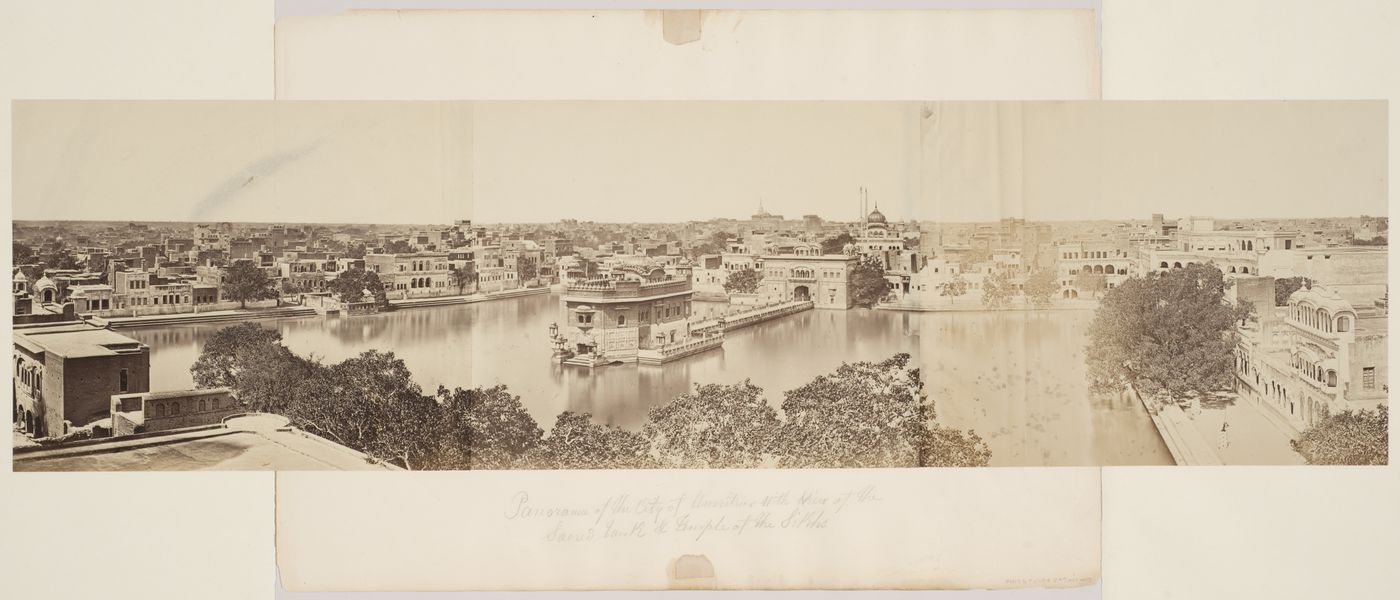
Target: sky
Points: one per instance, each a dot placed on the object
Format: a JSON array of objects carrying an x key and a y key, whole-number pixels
[
  {"x": 380, "y": 162},
  {"x": 432, "y": 162}
]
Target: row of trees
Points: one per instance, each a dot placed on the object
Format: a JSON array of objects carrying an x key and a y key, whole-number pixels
[
  {"x": 998, "y": 290},
  {"x": 867, "y": 414}
]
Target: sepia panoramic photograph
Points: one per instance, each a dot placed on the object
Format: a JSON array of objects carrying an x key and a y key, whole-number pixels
[{"x": 205, "y": 285}]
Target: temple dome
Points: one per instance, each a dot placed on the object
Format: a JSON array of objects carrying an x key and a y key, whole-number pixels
[{"x": 876, "y": 217}]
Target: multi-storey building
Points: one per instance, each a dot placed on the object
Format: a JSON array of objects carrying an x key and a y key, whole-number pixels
[
  {"x": 1110, "y": 258},
  {"x": 708, "y": 275},
  {"x": 65, "y": 375},
  {"x": 1234, "y": 252},
  {"x": 413, "y": 275},
  {"x": 807, "y": 274},
  {"x": 637, "y": 315},
  {"x": 313, "y": 272},
  {"x": 1357, "y": 273},
  {"x": 1316, "y": 356}
]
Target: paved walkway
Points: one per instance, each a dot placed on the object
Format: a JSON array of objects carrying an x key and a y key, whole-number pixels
[{"x": 1251, "y": 439}]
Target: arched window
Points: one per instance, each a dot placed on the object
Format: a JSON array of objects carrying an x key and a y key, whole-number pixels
[
  {"x": 1164, "y": 264},
  {"x": 203, "y": 406},
  {"x": 1331, "y": 378},
  {"x": 621, "y": 320},
  {"x": 1176, "y": 265},
  {"x": 174, "y": 408},
  {"x": 1343, "y": 324}
]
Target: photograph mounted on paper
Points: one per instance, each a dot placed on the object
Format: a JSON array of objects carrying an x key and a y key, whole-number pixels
[{"x": 634, "y": 285}]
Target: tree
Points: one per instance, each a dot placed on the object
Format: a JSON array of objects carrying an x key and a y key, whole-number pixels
[
  {"x": 527, "y": 270},
  {"x": 370, "y": 403},
  {"x": 867, "y": 285},
  {"x": 1171, "y": 332},
  {"x": 837, "y": 245},
  {"x": 276, "y": 379},
  {"x": 461, "y": 278},
  {"x": 871, "y": 414},
  {"x": 1090, "y": 282},
  {"x": 948, "y": 447},
  {"x": 1041, "y": 287},
  {"x": 705, "y": 247},
  {"x": 356, "y": 251},
  {"x": 714, "y": 427},
  {"x": 996, "y": 290},
  {"x": 95, "y": 264},
  {"x": 251, "y": 361},
  {"x": 578, "y": 443},
  {"x": 245, "y": 281},
  {"x": 1347, "y": 438},
  {"x": 954, "y": 287},
  {"x": 60, "y": 258},
  {"x": 721, "y": 240},
  {"x": 398, "y": 247},
  {"x": 1284, "y": 287},
  {"x": 32, "y": 271},
  {"x": 489, "y": 427},
  {"x": 976, "y": 256},
  {"x": 231, "y": 351},
  {"x": 20, "y": 252},
  {"x": 743, "y": 281},
  {"x": 350, "y": 286}
]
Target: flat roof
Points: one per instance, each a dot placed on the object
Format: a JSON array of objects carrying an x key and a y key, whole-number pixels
[
  {"x": 1372, "y": 324},
  {"x": 265, "y": 444},
  {"x": 76, "y": 341}
]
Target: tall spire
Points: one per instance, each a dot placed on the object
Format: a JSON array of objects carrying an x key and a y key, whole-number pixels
[{"x": 863, "y": 200}]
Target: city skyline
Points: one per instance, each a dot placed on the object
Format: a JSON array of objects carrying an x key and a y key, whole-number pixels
[
  {"x": 528, "y": 162},
  {"x": 1146, "y": 219}
]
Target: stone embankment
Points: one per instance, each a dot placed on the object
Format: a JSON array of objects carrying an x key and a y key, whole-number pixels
[{"x": 1183, "y": 439}]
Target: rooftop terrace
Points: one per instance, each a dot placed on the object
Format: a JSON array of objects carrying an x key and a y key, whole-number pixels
[
  {"x": 257, "y": 442},
  {"x": 76, "y": 341}
]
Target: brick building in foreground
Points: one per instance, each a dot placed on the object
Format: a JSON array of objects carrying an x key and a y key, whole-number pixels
[{"x": 66, "y": 375}]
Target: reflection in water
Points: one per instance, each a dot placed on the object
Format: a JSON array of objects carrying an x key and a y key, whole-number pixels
[{"x": 1016, "y": 378}]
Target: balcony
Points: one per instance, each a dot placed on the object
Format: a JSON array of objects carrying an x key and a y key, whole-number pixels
[{"x": 656, "y": 356}]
